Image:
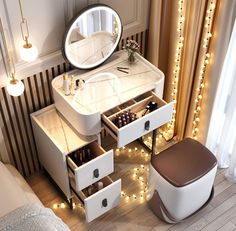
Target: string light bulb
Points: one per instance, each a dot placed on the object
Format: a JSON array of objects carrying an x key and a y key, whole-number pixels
[
  {"x": 205, "y": 60},
  {"x": 177, "y": 67}
]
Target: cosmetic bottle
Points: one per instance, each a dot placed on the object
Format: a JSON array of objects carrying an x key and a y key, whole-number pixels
[
  {"x": 90, "y": 190},
  {"x": 81, "y": 84},
  {"x": 88, "y": 154},
  {"x": 100, "y": 185},
  {"x": 72, "y": 85},
  {"x": 66, "y": 85}
]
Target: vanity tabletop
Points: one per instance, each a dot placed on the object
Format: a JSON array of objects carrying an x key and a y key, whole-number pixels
[
  {"x": 59, "y": 130},
  {"x": 106, "y": 87}
]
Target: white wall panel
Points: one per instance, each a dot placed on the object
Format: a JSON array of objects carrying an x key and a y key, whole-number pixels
[
  {"x": 134, "y": 14},
  {"x": 47, "y": 20}
]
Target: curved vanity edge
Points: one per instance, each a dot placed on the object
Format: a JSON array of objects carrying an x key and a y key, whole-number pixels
[
  {"x": 152, "y": 65},
  {"x": 107, "y": 88},
  {"x": 87, "y": 125},
  {"x": 159, "y": 88},
  {"x": 56, "y": 84}
]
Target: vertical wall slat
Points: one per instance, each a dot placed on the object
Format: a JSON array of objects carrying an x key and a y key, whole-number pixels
[
  {"x": 143, "y": 43},
  {"x": 49, "y": 85},
  {"x": 37, "y": 89},
  {"x": 44, "y": 84},
  {"x": 23, "y": 142},
  {"x": 28, "y": 134},
  {"x": 31, "y": 93},
  {"x": 43, "y": 88},
  {"x": 53, "y": 72},
  {"x": 140, "y": 41},
  {"x": 6, "y": 133},
  {"x": 14, "y": 135},
  {"x": 29, "y": 109}
]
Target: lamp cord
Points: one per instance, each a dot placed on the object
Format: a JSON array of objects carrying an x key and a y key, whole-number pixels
[
  {"x": 11, "y": 71},
  {"x": 25, "y": 35},
  {"x": 21, "y": 11}
]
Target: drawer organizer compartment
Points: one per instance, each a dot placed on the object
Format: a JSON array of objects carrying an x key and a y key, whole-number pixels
[
  {"x": 97, "y": 202},
  {"x": 144, "y": 121},
  {"x": 89, "y": 164}
]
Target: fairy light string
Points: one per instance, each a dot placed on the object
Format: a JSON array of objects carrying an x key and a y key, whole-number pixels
[
  {"x": 138, "y": 175},
  {"x": 168, "y": 134},
  {"x": 205, "y": 59}
]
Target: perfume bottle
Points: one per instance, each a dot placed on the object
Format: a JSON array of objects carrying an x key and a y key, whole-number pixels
[
  {"x": 99, "y": 185},
  {"x": 66, "y": 87},
  {"x": 72, "y": 85}
]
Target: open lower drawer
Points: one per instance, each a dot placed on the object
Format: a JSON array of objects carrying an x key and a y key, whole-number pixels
[
  {"x": 99, "y": 202},
  {"x": 143, "y": 124},
  {"x": 89, "y": 164}
]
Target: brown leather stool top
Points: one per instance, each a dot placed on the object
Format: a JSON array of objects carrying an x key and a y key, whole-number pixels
[{"x": 184, "y": 162}]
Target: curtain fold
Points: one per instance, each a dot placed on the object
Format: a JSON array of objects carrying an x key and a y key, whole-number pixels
[
  {"x": 221, "y": 138},
  {"x": 195, "y": 15},
  {"x": 222, "y": 29},
  {"x": 161, "y": 52}
]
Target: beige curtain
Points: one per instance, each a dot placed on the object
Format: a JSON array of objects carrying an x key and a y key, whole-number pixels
[{"x": 161, "y": 52}]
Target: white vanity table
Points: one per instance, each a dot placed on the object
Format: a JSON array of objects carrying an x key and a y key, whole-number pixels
[
  {"x": 74, "y": 123},
  {"x": 109, "y": 91}
]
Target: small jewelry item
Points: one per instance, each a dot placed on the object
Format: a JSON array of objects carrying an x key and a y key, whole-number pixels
[
  {"x": 150, "y": 107},
  {"x": 72, "y": 85},
  {"x": 79, "y": 84},
  {"x": 123, "y": 69}
]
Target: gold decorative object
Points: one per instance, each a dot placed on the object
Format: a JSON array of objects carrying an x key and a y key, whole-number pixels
[
  {"x": 14, "y": 86},
  {"x": 28, "y": 52}
]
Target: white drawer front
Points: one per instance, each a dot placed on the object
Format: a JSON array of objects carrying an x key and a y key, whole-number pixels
[
  {"x": 141, "y": 126},
  {"x": 137, "y": 129},
  {"x": 94, "y": 170},
  {"x": 102, "y": 201}
]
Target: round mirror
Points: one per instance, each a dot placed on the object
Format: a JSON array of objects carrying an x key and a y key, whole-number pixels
[{"x": 92, "y": 36}]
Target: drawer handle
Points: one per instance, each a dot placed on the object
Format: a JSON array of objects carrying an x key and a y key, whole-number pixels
[
  {"x": 96, "y": 173},
  {"x": 147, "y": 125},
  {"x": 104, "y": 202}
]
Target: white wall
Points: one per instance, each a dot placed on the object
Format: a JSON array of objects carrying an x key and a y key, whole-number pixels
[{"x": 47, "y": 20}]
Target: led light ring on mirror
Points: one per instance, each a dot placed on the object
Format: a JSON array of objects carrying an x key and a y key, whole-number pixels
[{"x": 86, "y": 11}]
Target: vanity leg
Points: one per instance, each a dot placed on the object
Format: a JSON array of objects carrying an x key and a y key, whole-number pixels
[
  {"x": 99, "y": 138},
  {"x": 153, "y": 147},
  {"x": 140, "y": 140},
  {"x": 154, "y": 139},
  {"x": 70, "y": 203}
]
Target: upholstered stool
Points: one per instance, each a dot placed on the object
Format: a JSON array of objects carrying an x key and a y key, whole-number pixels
[{"x": 181, "y": 180}]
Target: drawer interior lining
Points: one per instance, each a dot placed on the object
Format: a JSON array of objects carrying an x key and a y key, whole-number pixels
[
  {"x": 138, "y": 108},
  {"x": 95, "y": 149},
  {"x": 82, "y": 195},
  {"x": 106, "y": 181}
]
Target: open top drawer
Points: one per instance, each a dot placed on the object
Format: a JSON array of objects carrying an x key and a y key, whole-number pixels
[
  {"x": 142, "y": 123},
  {"x": 89, "y": 164},
  {"x": 97, "y": 202}
]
